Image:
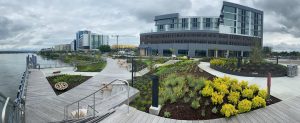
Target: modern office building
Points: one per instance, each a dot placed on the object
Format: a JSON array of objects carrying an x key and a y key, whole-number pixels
[
  {"x": 62, "y": 47},
  {"x": 86, "y": 40},
  {"x": 230, "y": 34}
]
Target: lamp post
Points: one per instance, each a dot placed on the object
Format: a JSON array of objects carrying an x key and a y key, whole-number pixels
[{"x": 132, "y": 65}]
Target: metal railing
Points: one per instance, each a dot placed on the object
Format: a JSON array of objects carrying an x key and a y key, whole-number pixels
[
  {"x": 43, "y": 66},
  {"x": 86, "y": 100}
]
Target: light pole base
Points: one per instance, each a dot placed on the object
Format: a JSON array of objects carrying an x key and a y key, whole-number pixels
[{"x": 155, "y": 110}]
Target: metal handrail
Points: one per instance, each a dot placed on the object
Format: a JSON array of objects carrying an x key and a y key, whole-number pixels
[
  {"x": 93, "y": 94},
  {"x": 4, "y": 110}
]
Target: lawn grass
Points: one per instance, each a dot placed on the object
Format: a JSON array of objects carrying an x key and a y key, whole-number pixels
[{"x": 94, "y": 67}]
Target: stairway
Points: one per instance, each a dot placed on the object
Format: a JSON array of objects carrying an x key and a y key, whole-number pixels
[{"x": 95, "y": 119}]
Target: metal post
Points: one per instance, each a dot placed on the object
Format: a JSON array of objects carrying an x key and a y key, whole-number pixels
[
  {"x": 132, "y": 66},
  {"x": 78, "y": 110},
  {"x": 128, "y": 89},
  {"x": 94, "y": 106},
  {"x": 277, "y": 59},
  {"x": 155, "y": 91},
  {"x": 269, "y": 85}
]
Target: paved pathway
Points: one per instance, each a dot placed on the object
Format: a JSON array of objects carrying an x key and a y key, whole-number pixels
[
  {"x": 282, "y": 87},
  {"x": 286, "y": 111},
  {"x": 66, "y": 70},
  {"x": 43, "y": 105}
]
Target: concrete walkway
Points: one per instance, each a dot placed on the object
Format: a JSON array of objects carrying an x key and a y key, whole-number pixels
[
  {"x": 66, "y": 70},
  {"x": 43, "y": 105},
  {"x": 282, "y": 87}
]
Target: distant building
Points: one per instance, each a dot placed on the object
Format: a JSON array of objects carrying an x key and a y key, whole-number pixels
[
  {"x": 90, "y": 41},
  {"x": 74, "y": 45},
  {"x": 230, "y": 34},
  {"x": 62, "y": 47},
  {"x": 47, "y": 49}
]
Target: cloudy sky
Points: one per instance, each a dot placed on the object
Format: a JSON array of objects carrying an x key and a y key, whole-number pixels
[{"x": 35, "y": 24}]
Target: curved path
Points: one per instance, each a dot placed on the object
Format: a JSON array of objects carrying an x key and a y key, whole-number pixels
[
  {"x": 286, "y": 111},
  {"x": 43, "y": 105}
]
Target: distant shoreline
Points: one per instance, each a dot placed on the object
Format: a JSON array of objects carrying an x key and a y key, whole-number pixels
[{"x": 15, "y": 52}]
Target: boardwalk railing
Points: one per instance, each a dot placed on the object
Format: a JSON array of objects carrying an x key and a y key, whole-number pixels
[
  {"x": 14, "y": 111},
  {"x": 44, "y": 66},
  {"x": 92, "y": 100}
]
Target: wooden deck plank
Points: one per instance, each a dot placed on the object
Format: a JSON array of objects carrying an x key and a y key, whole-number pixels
[{"x": 43, "y": 105}]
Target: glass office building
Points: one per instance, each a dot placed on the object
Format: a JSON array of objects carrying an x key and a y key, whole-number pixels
[
  {"x": 87, "y": 40},
  {"x": 230, "y": 34}
]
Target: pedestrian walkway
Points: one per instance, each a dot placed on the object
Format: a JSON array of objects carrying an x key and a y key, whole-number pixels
[{"x": 43, "y": 105}]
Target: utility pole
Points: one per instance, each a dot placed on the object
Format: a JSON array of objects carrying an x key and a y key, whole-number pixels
[
  {"x": 132, "y": 70},
  {"x": 117, "y": 42}
]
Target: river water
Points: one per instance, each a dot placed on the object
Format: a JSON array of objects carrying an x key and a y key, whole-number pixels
[{"x": 12, "y": 67}]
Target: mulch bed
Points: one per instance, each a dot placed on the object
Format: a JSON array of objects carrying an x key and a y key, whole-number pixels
[
  {"x": 256, "y": 70},
  {"x": 183, "y": 111},
  {"x": 70, "y": 85}
]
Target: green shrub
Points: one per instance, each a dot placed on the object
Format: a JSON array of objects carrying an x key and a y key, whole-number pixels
[
  {"x": 214, "y": 110},
  {"x": 167, "y": 114},
  {"x": 258, "y": 102},
  {"x": 263, "y": 94},
  {"x": 234, "y": 97},
  {"x": 254, "y": 87},
  {"x": 244, "y": 106},
  {"x": 178, "y": 91},
  {"x": 217, "y": 98},
  {"x": 228, "y": 110},
  {"x": 247, "y": 93},
  {"x": 195, "y": 104},
  {"x": 207, "y": 91},
  {"x": 186, "y": 99},
  {"x": 192, "y": 94}
]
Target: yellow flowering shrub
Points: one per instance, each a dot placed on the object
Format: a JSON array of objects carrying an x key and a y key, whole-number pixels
[
  {"x": 248, "y": 93},
  {"x": 220, "y": 87},
  {"x": 217, "y": 98},
  {"x": 207, "y": 91},
  {"x": 254, "y": 87},
  {"x": 258, "y": 102},
  {"x": 244, "y": 84},
  {"x": 235, "y": 87},
  {"x": 263, "y": 94},
  {"x": 228, "y": 110},
  {"x": 244, "y": 106},
  {"x": 217, "y": 62},
  {"x": 208, "y": 83},
  {"x": 234, "y": 97}
]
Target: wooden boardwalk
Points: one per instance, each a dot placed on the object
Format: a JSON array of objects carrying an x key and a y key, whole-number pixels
[
  {"x": 287, "y": 111},
  {"x": 43, "y": 105}
]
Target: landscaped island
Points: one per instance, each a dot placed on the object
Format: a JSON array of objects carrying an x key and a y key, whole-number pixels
[
  {"x": 83, "y": 62},
  {"x": 70, "y": 80},
  {"x": 188, "y": 93}
]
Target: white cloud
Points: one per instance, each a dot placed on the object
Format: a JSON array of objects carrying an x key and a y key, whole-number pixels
[{"x": 35, "y": 24}]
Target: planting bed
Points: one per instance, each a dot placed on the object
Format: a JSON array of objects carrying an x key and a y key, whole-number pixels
[
  {"x": 183, "y": 111},
  {"x": 188, "y": 93},
  {"x": 71, "y": 80},
  {"x": 248, "y": 69}
]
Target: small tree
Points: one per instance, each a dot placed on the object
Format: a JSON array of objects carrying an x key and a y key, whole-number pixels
[
  {"x": 104, "y": 48},
  {"x": 256, "y": 54}
]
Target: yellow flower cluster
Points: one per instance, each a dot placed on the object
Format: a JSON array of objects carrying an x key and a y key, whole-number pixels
[{"x": 228, "y": 110}]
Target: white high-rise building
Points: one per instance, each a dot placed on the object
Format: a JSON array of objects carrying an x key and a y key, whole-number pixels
[{"x": 90, "y": 41}]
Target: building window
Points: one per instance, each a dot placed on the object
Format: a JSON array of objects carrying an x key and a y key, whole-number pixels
[
  {"x": 183, "y": 52},
  {"x": 229, "y": 9}
]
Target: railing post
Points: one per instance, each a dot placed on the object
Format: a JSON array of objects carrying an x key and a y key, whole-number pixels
[
  {"x": 94, "y": 105},
  {"x": 78, "y": 110}
]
